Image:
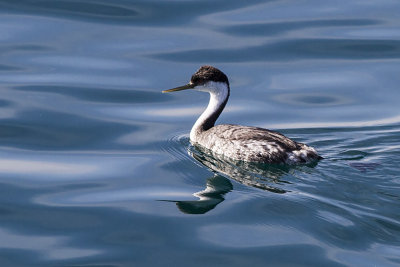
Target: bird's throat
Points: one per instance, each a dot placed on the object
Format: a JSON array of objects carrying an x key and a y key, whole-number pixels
[{"x": 218, "y": 100}]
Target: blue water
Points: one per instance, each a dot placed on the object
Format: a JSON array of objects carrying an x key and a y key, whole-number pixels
[{"x": 96, "y": 168}]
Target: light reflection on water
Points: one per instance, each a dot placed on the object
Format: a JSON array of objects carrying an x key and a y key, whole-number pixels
[
  {"x": 95, "y": 162},
  {"x": 13, "y": 166}
]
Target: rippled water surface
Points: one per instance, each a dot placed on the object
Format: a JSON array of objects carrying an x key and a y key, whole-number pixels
[{"x": 96, "y": 168}]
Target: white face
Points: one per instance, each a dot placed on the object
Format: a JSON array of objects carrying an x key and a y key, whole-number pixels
[{"x": 212, "y": 87}]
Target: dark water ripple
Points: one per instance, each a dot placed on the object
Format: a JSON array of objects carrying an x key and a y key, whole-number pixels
[
  {"x": 96, "y": 167},
  {"x": 8, "y": 68},
  {"x": 289, "y": 50},
  {"x": 107, "y": 95},
  {"x": 67, "y": 132},
  {"x": 279, "y": 28},
  {"x": 140, "y": 12}
]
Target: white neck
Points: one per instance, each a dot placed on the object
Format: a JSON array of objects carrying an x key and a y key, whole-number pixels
[{"x": 219, "y": 93}]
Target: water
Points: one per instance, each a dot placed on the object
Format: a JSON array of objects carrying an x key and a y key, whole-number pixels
[{"x": 96, "y": 168}]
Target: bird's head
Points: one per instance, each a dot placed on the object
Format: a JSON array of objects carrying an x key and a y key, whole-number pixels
[{"x": 206, "y": 79}]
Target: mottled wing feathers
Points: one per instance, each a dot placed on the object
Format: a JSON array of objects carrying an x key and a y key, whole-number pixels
[
  {"x": 249, "y": 134},
  {"x": 254, "y": 144}
]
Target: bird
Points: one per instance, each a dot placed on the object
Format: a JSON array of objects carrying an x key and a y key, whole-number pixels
[{"x": 240, "y": 143}]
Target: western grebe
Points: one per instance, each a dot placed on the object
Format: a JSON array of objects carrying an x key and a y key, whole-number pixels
[{"x": 238, "y": 142}]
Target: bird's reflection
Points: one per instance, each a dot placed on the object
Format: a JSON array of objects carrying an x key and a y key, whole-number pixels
[
  {"x": 258, "y": 175},
  {"x": 216, "y": 187},
  {"x": 263, "y": 176}
]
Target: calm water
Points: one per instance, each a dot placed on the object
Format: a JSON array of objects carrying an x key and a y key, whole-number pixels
[{"x": 96, "y": 168}]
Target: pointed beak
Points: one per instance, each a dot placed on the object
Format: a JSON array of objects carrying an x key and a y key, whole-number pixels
[{"x": 180, "y": 88}]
